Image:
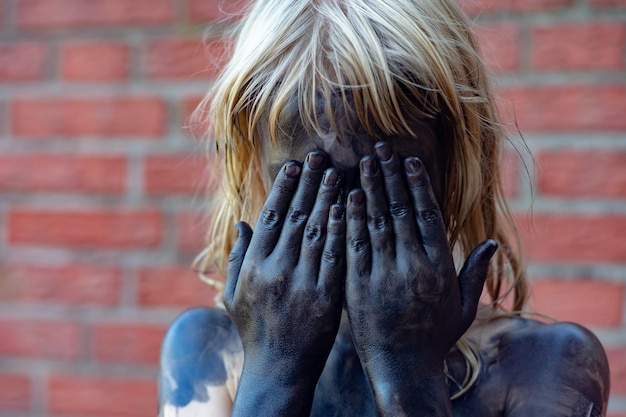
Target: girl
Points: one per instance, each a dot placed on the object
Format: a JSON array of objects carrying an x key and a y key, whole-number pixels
[{"x": 362, "y": 138}]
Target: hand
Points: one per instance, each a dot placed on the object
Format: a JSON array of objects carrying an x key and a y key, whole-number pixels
[
  {"x": 406, "y": 305},
  {"x": 284, "y": 283}
]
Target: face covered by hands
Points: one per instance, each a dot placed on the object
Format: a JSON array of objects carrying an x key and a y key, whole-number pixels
[{"x": 393, "y": 269}]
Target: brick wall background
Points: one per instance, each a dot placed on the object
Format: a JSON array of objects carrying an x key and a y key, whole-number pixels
[{"x": 99, "y": 184}]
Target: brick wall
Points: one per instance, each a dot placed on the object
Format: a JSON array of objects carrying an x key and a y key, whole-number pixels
[{"x": 99, "y": 184}]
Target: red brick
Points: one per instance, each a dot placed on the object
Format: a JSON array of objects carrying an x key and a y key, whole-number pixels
[
  {"x": 191, "y": 232},
  {"x": 68, "y": 284},
  {"x": 184, "y": 58},
  {"x": 571, "y": 108},
  {"x": 102, "y": 397},
  {"x": 474, "y": 7},
  {"x": 65, "y": 173},
  {"x": 75, "y": 117},
  {"x": 590, "y": 303},
  {"x": 40, "y": 339},
  {"x": 511, "y": 171},
  {"x": 94, "y": 61},
  {"x": 583, "y": 173},
  {"x": 617, "y": 364},
  {"x": 499, "y": 45},
  {"x": 575, "y": 238},
  {"x": 174, "y": 174},
  {"x": 211, "y": 10},
  {"x": 173, "y": 286},
  {"x": 97, "y": 228},
  {"x": 15, "y": 391},
  {"x": 608, "y": 3},
  {"x": 128, "y": 343},
  {"x": 63, "y": 14},
  {"x": 23, "y": 61},
  {"x": 579, "y": 46}
]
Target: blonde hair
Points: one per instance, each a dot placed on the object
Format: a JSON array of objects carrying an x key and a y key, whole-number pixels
[{"x": 385, "y": 60}]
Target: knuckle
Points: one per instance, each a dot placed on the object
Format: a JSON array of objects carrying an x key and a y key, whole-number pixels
[
  {"x": 297, "y": 216},
  {"x": 284, "y": 186},
  {"x": 265, "y": 286},
  {"x": 379, "y": 222},
  {"x": 233, "y": 257},
  {"x": 270, "y": 217},
  {"x": 430, "y": 215},
  {"x": 397, "y": 209},
  {"x": 359, "y": 245},
  {"x": 310, "y": 180},
  {"x": 419, "y": 185},
  {"x": 313, "y": 232},
  {"x": 331, "y": 257}
]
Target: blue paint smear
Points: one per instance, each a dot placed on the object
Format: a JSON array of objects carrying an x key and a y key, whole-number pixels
[{"x": 192, "y": 355}]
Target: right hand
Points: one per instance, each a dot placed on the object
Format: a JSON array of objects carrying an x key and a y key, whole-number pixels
[{"x": 284, "y": 283}]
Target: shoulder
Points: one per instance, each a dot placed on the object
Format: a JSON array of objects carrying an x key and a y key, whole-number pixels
[
  {"x": 553, "y": 345},
  {"x": 202, "y": 328},
  {"x": 200, "y": 358},
  {"x": 557, "y": 365}
]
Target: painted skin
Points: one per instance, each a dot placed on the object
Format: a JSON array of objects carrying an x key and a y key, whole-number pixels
[{"x": 404, "y": 306}]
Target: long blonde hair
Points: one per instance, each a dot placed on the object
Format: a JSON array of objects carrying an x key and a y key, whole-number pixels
[{"x": 386, "y": 59}]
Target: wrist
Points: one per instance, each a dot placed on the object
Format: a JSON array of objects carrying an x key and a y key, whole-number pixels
[
  {"x": 427, "y": 395},
  {"x": 410, "y": 365},
  {"x": 408, "y": 384},
  {"x": 283, "y": 371},
  {"x": 269, "y": 394}
]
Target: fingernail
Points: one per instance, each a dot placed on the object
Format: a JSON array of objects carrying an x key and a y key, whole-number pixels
[
  {"x": 412, "y": 165},
  {"x": 336, "y": 211},
  {"x": 315, "y": 160},
  {"x": 493, "y": 246},
  {"x": 368, "y": 165},
  {"x": 356, "y": 197},
  {"x": 330, "y": 177},
  {"x": 383, "y": 150},
  {"x": 292, "y": 169}
]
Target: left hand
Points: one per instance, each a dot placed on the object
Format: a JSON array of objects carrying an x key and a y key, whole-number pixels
[{"x": 406, "y": 305}]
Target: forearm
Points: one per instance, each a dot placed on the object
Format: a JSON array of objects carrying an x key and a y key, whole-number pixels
[{"x": 260, "y": 396}]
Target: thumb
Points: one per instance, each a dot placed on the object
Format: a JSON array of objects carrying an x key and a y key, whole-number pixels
[
  {"x": 472, "y": 278},
  {"x": 235, "y": 260}
]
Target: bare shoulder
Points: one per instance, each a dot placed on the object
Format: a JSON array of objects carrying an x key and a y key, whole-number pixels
[
  {"x": 556, "y": 369},
  {"x": 200, "y": 363}
]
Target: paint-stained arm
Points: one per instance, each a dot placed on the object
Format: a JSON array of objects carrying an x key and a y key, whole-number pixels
[{"x": 200, "y": 364}]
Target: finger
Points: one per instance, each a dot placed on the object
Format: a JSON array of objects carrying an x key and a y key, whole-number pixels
[
  {"x": 272, "y": 215},
  {"x": 358, "y": 253},
  {"x": 315, "y": 232},
  {"x": 378, "y": 221},
  {"x": 398, "y": 201},
  {"x": 472, "y": 279},
  {"x": 428, "y": 216},
  {"x": 235, "y": 261},
  {"x": 301, "y": 205},
  {"x": 332, "y": 265}
]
